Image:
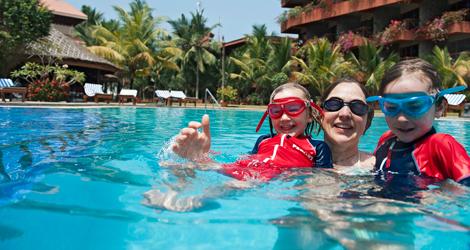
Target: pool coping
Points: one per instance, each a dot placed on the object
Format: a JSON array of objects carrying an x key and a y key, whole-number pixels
[{"x": 72, "y": 105}]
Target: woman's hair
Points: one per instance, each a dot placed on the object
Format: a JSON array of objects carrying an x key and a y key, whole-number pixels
[
  {"x": 410, "y": 66},
  {"x": 316, "y": 121},
  {"x": 331, "y": 87}
]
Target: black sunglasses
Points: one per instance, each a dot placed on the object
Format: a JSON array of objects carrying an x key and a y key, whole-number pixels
[{"x": 358, "y": 107}]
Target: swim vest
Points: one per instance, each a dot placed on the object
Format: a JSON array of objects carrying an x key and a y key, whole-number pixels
[
  {"x": 434, "y": 155},
  {"x": 273, "y": 155}
]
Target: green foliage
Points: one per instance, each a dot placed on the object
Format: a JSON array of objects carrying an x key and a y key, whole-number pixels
[
  {"x": 33, "y": 72},
  {"x": 452, "y": 72},
  {"x": 227, "y": 93},
  {"x": 192, "y": 36},
  {"x": 279, "y": 79},
  {"x": 47, "y": 90},
  {"x": 130, "y": 42},
  {"x": 21, "y": 22},
  {"x": 321, "y": 63},
  {"x": 370, "y": 66}
]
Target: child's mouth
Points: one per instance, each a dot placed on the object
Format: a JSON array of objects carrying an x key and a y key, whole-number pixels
[{"x": 405, "y": 130}]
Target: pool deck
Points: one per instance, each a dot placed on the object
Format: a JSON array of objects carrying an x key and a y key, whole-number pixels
[{"x": 33, "y": 104}]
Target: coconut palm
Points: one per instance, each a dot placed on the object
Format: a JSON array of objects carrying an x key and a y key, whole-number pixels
[
  {"x": 320, "y": 63},
  {"x": 132, "y": 46},
  {"x": 370, "y": 66},
  {"x": 452, "y": 72},
  {"x": 194, "y": 38}
]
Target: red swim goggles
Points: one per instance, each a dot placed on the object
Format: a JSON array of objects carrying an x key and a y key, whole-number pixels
[{"x": 292, "y": 106}]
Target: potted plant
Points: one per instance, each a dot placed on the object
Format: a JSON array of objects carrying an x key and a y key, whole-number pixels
[
  {"x": 437, "y": 29},
  {"x": 393, "y": 31},
  {"x": 227, "y": 94}
]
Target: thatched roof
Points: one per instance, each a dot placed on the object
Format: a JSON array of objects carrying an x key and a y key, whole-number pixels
[{"x": 71, "y": 51}]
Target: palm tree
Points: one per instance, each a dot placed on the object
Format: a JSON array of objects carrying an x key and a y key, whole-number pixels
[
  {"x": 193, "y": 37},
  {"x": 132, "y": 45},
  {"x": 370, "y": 66},
  {"x": 260, "y": 65},
  {"x": 320, "y": 63},
  {"x": 450, "y": 70}
]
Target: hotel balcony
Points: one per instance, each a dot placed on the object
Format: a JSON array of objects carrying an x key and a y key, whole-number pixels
[
  {"x": 293, "y": 3},
  {"x": 459, "y": 28},
  {"x": 333, "y": 8}
]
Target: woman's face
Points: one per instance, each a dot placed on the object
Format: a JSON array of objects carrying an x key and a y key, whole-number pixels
[
  {"x": 291, "y": 125},
  {"x": 343, "y": 127}
]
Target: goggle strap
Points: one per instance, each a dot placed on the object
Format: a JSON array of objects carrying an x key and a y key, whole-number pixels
[
  {"x": 451, "y": 90},
  {"x": 315, "y": 106},
  {"x": 261, "y": 121},
  {"x": 373, "y": 98}
]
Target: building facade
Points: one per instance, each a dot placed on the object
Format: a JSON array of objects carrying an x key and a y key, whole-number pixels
[{"x": 409, "y": 27}]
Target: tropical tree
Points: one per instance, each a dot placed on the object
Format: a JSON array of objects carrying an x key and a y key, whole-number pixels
[
  {"x": 370, "y": 66},
  {"x": 452, "y": 72},
  {"x": 132, "y": 45},
  {"x": 21, "y": 22},
  {"x": 194, "y": 38},
  {"x": 320, "y": 63},
  {"x": 260, "y": 65}
]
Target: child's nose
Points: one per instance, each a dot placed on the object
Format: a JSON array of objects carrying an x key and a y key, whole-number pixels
[
  {"x": 285, "y": 116},
  {"x": 402, "y": 117}
]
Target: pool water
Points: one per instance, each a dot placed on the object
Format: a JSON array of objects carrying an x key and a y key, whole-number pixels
[{"x": 75, "y": 179}]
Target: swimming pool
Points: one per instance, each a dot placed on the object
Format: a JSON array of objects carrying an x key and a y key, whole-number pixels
[{"x": 74, "y": 179}]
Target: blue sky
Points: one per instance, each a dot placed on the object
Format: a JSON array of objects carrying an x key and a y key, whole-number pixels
[{"x": 236, "y": 16}]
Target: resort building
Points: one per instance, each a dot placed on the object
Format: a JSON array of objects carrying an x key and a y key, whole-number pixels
[
  {"x": 65, "y": 47},
  {"x": 409, "y": 27}
]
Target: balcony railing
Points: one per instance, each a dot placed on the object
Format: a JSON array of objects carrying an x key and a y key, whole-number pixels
[{"x": 330, "y": 9}]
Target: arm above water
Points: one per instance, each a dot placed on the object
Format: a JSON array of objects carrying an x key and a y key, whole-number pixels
[{"x": 193, "y": 144}]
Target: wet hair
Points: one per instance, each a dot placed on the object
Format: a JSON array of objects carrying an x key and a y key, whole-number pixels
[
  {"x": 314, "y": 114},
  {"x": 411, "y": 66},
  {"x": 331, "y": 87}
]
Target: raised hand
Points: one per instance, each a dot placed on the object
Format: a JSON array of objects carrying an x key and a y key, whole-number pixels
[{"x": 192, "y": 144}]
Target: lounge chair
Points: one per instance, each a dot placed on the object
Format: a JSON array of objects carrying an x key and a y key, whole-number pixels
[
  {"x": 162, "y": 95},
  {"x": 455, "y": 103},
  {"x": 127, "y": 94},
  {"x": 96, "y": 91},
  {"x": 182, "y": 98},
  {"x": 8, "y": 87}
]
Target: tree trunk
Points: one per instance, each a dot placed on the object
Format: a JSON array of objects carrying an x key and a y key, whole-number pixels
[{"x": 197, "y": 82}]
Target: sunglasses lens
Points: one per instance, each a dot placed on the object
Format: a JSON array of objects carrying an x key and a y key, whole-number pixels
[
  {"x": 333, "y": 104},
  {"x": 359, "y": 108}
]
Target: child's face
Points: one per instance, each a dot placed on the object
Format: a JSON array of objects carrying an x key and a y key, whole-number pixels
[
  {"x": 407, "y": 128},
  {"x": 291, "y": 125}
]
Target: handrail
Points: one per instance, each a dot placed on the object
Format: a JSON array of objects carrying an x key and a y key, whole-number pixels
[{"x": 212, "y": 96}]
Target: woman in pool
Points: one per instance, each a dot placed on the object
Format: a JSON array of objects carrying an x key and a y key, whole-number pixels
[
  {"x": 346, "y": 118},
  {"x": 410, "y": 97},
  {"x": 292, "y": 115}
]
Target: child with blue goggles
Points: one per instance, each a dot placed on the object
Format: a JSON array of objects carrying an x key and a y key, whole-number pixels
[{"x": 410, "y": 99}]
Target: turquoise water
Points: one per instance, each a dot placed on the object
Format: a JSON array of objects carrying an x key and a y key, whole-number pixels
[{"x": 75, "y": 178}]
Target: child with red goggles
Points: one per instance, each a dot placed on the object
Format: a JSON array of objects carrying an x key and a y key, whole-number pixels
[{"x": 293, "y": 117}]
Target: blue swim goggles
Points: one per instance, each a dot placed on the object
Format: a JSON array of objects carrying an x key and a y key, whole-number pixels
[{"x": 411, "y": 104}]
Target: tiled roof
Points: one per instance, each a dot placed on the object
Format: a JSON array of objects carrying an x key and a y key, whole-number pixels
[
  {"x": 61, "y": 46},
  {"x": 61, "y": 8}
]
